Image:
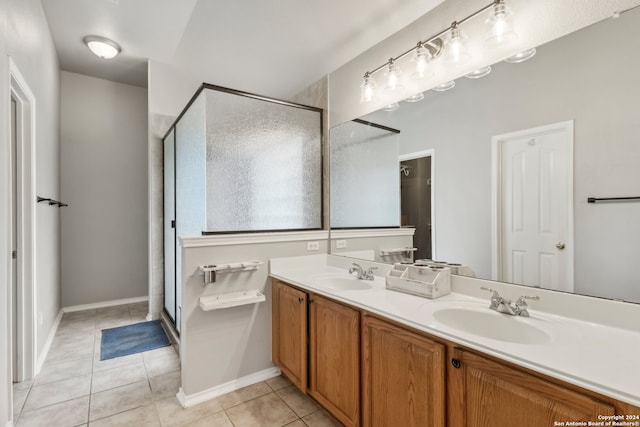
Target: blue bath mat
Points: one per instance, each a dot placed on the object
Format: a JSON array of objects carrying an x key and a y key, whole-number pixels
[{"x": 131, "y": 339}]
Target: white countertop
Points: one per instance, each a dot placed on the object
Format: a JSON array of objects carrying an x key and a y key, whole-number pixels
[{"x": 596, "y": 356}]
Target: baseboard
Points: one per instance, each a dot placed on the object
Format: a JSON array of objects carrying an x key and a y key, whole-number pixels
[
  {"x": 47, "y": 345},
  {"x": 202, "y": 396},
  {"x": 104, "y": 304}
]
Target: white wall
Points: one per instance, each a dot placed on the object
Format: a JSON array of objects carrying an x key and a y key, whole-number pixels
[
  {"x": 24, "y": 35},
  {"x": 218, "y": 347},
  {"x": 104, "y": 181},
  {"x": 564, "y": 81}
]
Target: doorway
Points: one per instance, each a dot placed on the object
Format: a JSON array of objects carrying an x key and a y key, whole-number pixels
[
  {"x": 416, "y": 200},
  {"x": 23, "y": 200},
  {"x": 533, "y": 208}
]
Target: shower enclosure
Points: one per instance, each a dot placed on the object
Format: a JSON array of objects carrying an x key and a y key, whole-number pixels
[{"x": 238, "y": 162}]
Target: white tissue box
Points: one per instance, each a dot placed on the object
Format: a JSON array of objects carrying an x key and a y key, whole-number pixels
[{"x": 429, "y": 281}]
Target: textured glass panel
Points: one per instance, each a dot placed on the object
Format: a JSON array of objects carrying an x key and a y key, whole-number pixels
[
  {"x": 169, "y": 232},
  {"x": 263, "y": 165},
  {"x": 190, "y": 181},
  {"x": 364, "y": 176}
]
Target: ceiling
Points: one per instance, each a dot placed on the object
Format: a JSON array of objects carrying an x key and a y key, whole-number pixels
[{"x": 271, "y": 47}]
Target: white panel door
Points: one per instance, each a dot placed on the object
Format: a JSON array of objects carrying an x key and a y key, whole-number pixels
[{"x": 535, "y": 207}]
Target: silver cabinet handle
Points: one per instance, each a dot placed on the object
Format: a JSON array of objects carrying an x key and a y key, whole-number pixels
[{"x": 560, "y": 245}]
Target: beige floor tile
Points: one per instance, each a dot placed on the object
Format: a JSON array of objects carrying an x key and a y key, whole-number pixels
[
  {"x": 165, "y": 385},
  {"x": 22, "y": 385},
  {"x": 145, "y": 416},
  {"x": 66, "y": 414},
  {"x": 119, "y": 362},
  {"x": 172, "y": 414},
  {"x": 276, "y": 383},
  {"x": 139, "y": 308},
  {"x": 116, "y": 400},
  {"x": 62, "y": 369},
  {"x": 218, "y": 419},
  {"x": 113, "y": 321},
  {"x": 77, "y": 350},
  {"x": 161, "y": 363},
  {"x": 117, "y": 377},
  {"x": 244, "y": 394},
  {"x": 265, "y": 411},
  {"x": 297, "y": 423},
  {"x": 113, "y": 310},
  {"x": 19, "y": 397},
  {"x": 59, "y": 391},
  {"x": 301, "y": 404},
  {"x": 321, "y": 419}
]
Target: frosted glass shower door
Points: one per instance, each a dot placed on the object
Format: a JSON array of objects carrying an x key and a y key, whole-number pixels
[{"x": 169, "y": 227}]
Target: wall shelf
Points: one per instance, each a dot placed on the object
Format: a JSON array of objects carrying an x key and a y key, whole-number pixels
[
  {"x": 231, "y": 299},
  {"x": 211, "y": 271}
]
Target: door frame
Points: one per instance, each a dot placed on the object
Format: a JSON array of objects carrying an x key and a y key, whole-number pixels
[
  {"x": 417, "y": 155},
  {"x": 26, "y": 223},
  {"x": 496, "y": 193}
]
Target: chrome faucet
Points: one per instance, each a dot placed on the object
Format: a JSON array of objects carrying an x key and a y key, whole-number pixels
[
  {"x": 362, "y": 274},
  {"x": 503, "y": 305}
]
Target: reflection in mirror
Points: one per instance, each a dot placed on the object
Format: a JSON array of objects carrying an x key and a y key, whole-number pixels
[{"x": 517, "y": 154}]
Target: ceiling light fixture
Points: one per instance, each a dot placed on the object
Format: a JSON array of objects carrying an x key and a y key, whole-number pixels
[
  {"x": 500, "y": 31},
  {"x": 521, "y": 56},
  {"x": 102, "y": 47},
  {"x": 480, "y": 72}
]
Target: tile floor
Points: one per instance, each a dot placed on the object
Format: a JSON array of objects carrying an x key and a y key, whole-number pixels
[{"x": 75, "y": 388}]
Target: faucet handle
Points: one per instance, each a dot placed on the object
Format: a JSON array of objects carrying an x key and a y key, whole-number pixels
[
  {"x": 521, "y": 302},
  {"x": 496, "y": 299},
  {"x": 371, "y": 269}
]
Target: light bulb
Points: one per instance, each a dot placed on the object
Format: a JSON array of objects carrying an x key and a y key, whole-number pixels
[
  {"x": 500, "y": 26},
  {"x": 421, "y": 60},
  {"x": 457, "y": 50},
  {"x": 392, "y": 77},
  {"x": 367, "y": 89}
]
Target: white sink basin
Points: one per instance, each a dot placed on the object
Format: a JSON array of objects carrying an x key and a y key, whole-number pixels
[
  {"x": 342, "y": 282},
  {"x": 490, "y": 324}
]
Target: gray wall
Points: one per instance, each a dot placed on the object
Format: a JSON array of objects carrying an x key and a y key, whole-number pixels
[
  {"x": 24, "y": 35},
  {"x": 566, "y": 80},
  {"x": 104, "y": 181}
]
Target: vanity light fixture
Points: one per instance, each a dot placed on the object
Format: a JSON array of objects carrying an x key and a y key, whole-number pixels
[
  {"x": 500, "y": 31},
  {"x": 500, "y": 26},
  {"x": 367, "y": 89},
  {"x": 415, "y": 97},
  {"x": 392, "y": 76},
  {"x": 480, "y": 72},
  {"x": 391, "y": 107},
  {"x": 102, "y": 47},
  {"x": 442, "y": 87},
  {"x": 457, "y": 49},
  {"x": 422, "y": 60},
  {"x": 521, "y": 56}
]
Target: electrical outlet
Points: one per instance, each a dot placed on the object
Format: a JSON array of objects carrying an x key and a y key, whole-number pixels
[
  {"x": 341, "y": 244},
  {"x": 313, "y": 246}
]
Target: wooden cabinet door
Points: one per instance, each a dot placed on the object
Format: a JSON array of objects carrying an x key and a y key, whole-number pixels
[
  {"x": 403, "y": 377},
  {"x": 488, "y": 394},
  {"x": 289, "y": 332},
  {"x": 335, "y": 358}
]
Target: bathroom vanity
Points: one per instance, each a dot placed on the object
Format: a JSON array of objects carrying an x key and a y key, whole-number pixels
[{"x": 372, "y": 356}]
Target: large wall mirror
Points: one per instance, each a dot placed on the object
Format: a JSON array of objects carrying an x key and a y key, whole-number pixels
[{"x": 506, "y": 164}]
